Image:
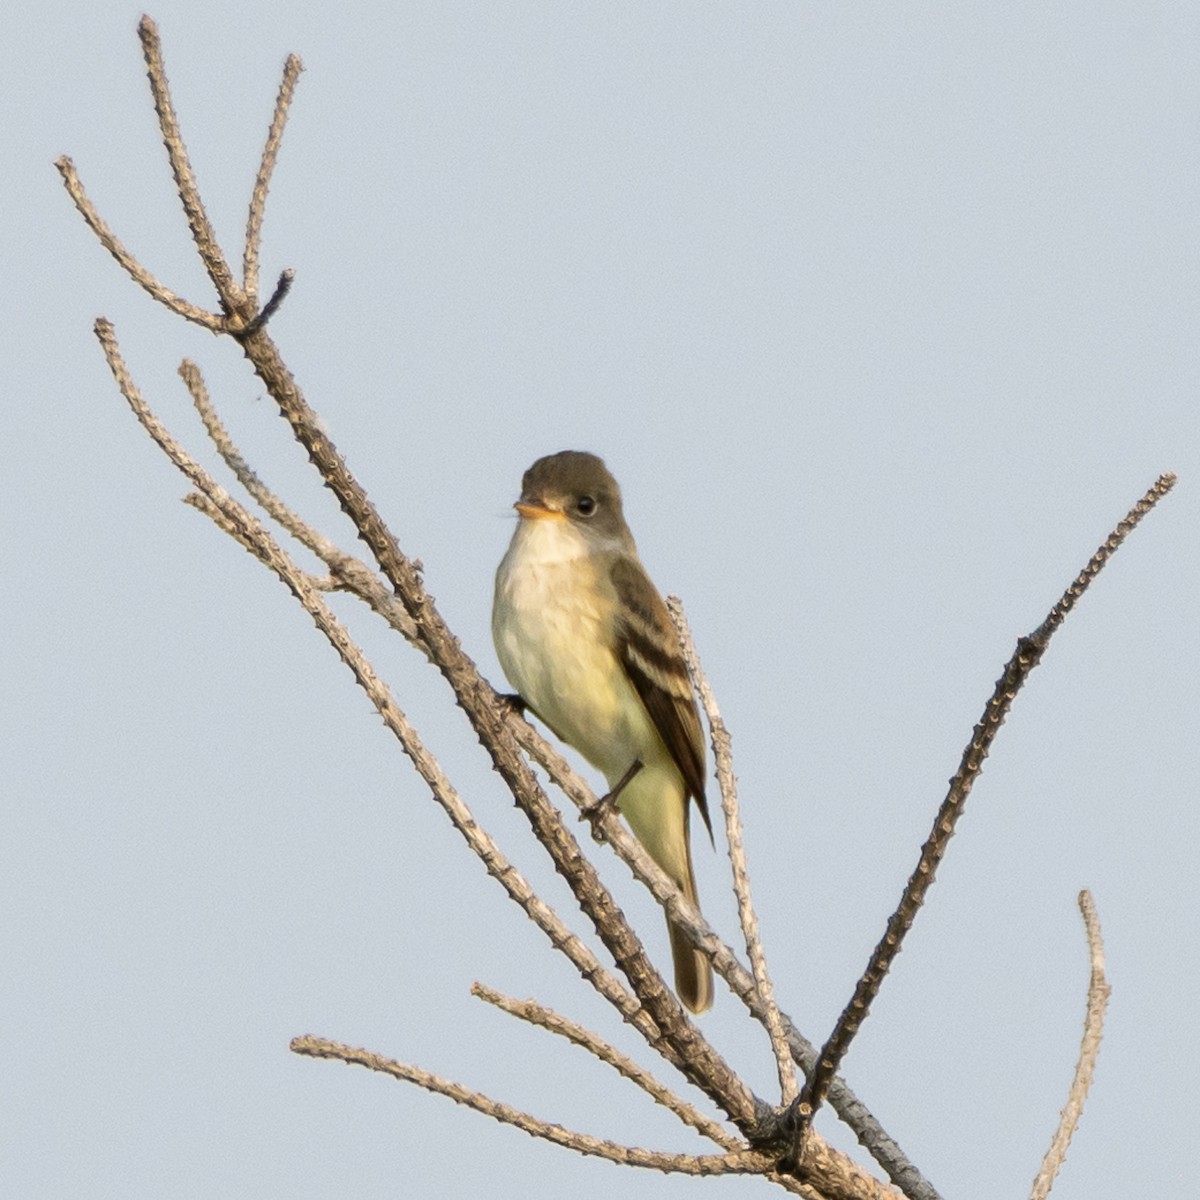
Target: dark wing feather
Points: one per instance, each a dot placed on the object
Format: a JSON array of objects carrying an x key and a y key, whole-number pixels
[{"x": 649, "y": 650}]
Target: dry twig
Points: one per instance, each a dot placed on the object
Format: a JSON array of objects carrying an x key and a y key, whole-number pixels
[
  {"x": 266, "y": 168},
  {"x": 743, "y": 1162},
  {"x": 347, "y": 573},
  {"x": 545, "y": 1018},
  {"x": 230, "y": 294},
  {"x": 1027, "y": 655},
  {"x": 722, "y": 744},
  {"x": 143, "y": 278},
  {"x": 1089, "y": 1051}
]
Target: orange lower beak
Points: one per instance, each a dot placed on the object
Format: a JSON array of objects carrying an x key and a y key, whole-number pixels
[{"x": 536, "y": 512}]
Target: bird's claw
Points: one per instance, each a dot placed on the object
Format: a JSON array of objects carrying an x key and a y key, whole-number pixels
[{"x": 595, "y": 813}]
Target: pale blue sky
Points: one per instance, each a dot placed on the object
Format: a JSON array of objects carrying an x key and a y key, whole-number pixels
[{"x": 882, "y": 315}]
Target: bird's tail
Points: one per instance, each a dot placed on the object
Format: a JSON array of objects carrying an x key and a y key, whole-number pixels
[{"x": 693, "y": 971}]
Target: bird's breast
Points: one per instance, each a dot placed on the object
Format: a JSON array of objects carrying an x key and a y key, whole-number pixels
[{"x": 553, "y": 624}]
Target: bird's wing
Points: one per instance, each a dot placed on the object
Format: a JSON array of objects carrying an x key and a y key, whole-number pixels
[{"x": 648, "y": 647}]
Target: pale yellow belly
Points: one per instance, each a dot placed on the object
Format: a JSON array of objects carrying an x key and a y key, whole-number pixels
[
  {"x": 553, "y": 631},
  {"x": 552, "y": 624}
]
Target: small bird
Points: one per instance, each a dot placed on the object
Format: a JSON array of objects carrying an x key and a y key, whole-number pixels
[{"x": 587, "y": 641}]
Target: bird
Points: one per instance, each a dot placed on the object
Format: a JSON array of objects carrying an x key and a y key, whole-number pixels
[{"x": 583, "y": 635}]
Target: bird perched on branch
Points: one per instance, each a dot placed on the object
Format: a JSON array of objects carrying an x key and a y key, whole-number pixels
[{"x": 587, "y": 641}]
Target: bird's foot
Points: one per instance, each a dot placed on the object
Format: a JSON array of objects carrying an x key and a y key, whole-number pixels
[{"x": 595, "y": 813}]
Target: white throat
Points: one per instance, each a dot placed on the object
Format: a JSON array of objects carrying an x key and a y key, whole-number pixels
[{"x": 545, "y": 541}]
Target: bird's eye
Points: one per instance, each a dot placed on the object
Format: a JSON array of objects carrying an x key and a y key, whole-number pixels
[{"x": 585, "y": 506}]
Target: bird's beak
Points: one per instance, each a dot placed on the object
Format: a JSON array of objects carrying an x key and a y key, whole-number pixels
[{"x": 539, "y": 512}]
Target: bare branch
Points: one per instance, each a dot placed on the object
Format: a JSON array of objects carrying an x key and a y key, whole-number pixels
[
  {"x": 1111, "y": 544},
  {"x": 1089, "y": 1051},
  {"x": 745, "y": 1162},
  {"x": 722, "y": 744},
  {"x": 130, "y": 265},
  {"x": 1028, "y": 654},
  {"x": 347, "y": 572},
  {"x": 545, "y": 1018},
  {"x": 232, "y": 298},
  {"x": 834, "y": 1177},
  {"x": 107, "y": 338},
  {"x": 270, "y": 503},
  {"x": 258, "y": 198}
]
